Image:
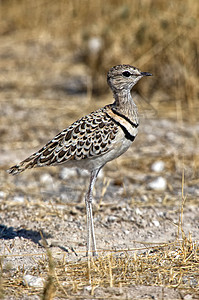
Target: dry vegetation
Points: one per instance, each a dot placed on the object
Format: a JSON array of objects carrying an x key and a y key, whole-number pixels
[
  {"x": 53, "y": 59},
  {"x": 172, "y": 265},
  {"x": 160, "y": 36}
]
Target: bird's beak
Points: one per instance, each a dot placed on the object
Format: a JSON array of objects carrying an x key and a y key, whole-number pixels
[{"x": 146, "y": 74}]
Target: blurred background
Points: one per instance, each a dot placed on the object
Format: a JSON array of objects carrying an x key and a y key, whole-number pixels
[
  {"x": 68, "y": 47},
  {"x": 54, "y": 57}
]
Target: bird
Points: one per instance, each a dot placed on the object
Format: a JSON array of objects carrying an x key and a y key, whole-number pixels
[{"x": 95, "y": 139}]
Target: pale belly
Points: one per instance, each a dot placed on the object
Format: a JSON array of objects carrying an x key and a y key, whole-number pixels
[{"x": 118, "y": 148}]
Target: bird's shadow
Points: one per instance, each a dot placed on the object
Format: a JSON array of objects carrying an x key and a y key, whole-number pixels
[
  {"x": 9, "y": 233},
  {"x": 38, "y": 237}
]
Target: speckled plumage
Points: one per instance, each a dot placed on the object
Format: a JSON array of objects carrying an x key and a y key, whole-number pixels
[
  {"x": 95, "y": 139},
  {"x": 86, "y": 139}
]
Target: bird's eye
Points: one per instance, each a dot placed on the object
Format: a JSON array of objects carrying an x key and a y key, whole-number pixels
[{"x": 126, "y": 73}]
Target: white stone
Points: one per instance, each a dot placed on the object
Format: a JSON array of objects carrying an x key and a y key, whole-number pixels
[
  {"x": 83, "y": 173},
  {"x": 67, "y": 173},
  {"x": 64, "y": 197},
  {"x": 156, "y": 223},
  {"x": 188, "y": 297},
  {"x": 144, "y": 198},
  {"x": 33, "y": 281},
  {"x": 88, "y": 288},
  {"x": 111, "y": 218},
  {"x": 18, "y": 199},
  {"x": 126, "y": 232},
  {"x": 158, "y": 166},
  {"x": 159, "y": 184},
  {"x": 46, "y": 178},
  {"x": 2, "y": 194},
  {"x": 151, "y": 137},
  {"x": 159, "y": 199},
  {"x": 138, "y": 211},
  {"x": 95, "y": 44}
]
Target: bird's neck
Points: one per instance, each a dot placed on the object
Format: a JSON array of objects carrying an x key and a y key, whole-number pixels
[{"x": 125, "y": 105}]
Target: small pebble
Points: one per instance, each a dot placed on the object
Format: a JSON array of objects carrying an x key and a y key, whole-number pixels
[
  {"x": 156, "y": 223},
  {"x": 158, "y": 166},
  {"x": 159, "y": 184},
  {"x": 111, "y": 218},
  {"x": 151, "y": 138},
  {"x": 2, "y": 194},
  {"x": 88, "y": 288},
  {"x": 64, "y": 197},
  {"x": 95, "y": 44},
  {"x": 46, "y": 178},
  {"x": 126, "y": 232},
  {"x": 33, "y": 281},
  {"x": 18, "y": 199},
  {"x": 188, "y": 297},
  {"x": 144, "y": 198},
  {"x": 138, "y": 211},
  {"x": 83, "y": 173},
  {"x": 159, "y": 199},
  {"x": 68, "y": 173}
]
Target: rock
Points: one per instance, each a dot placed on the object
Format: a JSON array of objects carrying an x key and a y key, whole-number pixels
[
  {"x": 83, "y": 173},
  {"x": 33, "y": 281},
  {"x": 88, "y": 288},
  {"x": 126, "y": 232},
  {"x": 158, "y": 166},
  {"x": 46, "y": 178},
  {"x": 138, "y": 211},
  {"x": 144, "y": 198},
  {"x": 95, "y": 45},
  {"x": 18, "y": 199},
  {"x": 111, "y": 218},
  {"x": 67, "y": 173},
  {"x": 156, "y": 223},
  {"x": 2, "y": 194},
  {"x": 188, "y": 297},
  {"x": 159, "y": 184}
]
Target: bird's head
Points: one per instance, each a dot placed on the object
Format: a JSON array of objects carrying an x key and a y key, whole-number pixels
[{"x": 124, "y": 77}]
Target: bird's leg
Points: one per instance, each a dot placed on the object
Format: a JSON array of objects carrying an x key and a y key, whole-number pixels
[{"x": 90, "y": 225}]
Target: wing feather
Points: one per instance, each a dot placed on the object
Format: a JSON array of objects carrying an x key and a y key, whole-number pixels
[{"x": 86, "y": 138}]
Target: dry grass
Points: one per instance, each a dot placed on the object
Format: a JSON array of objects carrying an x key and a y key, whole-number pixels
[
  {"x": 173, "y": 265},
  {"x": 162, "y": 265}
]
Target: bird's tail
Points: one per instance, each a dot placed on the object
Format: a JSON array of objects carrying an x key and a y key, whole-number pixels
[{"x": 28, "y": 163}]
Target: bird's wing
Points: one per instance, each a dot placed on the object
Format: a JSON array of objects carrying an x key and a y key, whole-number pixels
[{"x": 89, "y": 137}]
